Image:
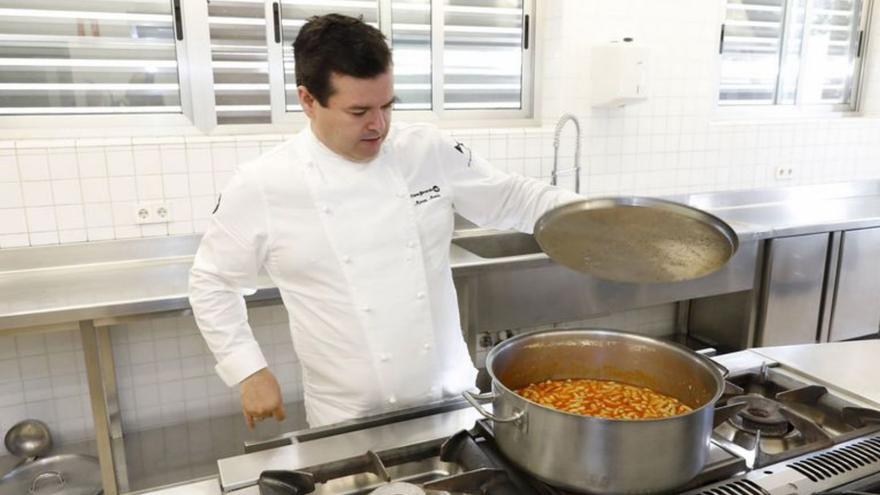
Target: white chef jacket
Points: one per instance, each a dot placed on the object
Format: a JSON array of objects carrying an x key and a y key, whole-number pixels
[{"x": 360, "y": 255}]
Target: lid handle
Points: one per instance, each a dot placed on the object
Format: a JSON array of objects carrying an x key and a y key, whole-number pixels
[{"x": 45, "y": 478}]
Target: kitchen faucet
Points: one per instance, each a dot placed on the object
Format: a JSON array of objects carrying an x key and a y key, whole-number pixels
[{"x": 577, "y": 151}]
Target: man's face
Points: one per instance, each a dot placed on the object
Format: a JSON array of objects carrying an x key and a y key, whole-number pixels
[{"x": 357, "y": 116}]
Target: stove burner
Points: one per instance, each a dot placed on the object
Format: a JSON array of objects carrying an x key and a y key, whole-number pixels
[
  {"x": 760, "y": 415},
  {"x": 398, "y": 488}
]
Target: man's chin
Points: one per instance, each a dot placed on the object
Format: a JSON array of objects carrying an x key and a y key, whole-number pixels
[{"x": 367, "y": 150}]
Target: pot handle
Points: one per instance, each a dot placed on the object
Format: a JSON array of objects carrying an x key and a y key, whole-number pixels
[
  {"x": 724, "y": 371},
  {"x": 39, "y": 482},
  {"x": 474, "y": 401}
]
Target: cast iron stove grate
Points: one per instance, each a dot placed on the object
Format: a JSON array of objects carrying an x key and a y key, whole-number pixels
[{"x": 779, "y": 418}]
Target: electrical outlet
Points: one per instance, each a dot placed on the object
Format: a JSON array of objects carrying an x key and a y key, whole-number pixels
[
  {"x": 147, "y": 213},
  {"x": 785, "y": 173}
]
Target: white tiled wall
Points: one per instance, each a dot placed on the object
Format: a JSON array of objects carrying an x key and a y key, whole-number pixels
[
  {"x": 622, "y": 154},
  {"x": 679, "y": 141},
  {"x": 164, "y": 370},
  {"x": 166, "y": 373},
  {"x": 42, "y": 376},
  {"x": 87, "y": 190}
]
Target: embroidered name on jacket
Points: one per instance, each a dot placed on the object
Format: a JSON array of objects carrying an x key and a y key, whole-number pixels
[{"x": 425, "y": 195}]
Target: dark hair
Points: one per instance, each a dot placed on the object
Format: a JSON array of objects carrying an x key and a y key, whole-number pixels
[{"x": 337, "y": 43}]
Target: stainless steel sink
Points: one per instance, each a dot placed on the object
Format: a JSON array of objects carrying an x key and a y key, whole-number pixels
[{"x": 499, "y": 245}]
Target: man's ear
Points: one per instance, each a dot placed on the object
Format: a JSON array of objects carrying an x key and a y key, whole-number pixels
[{"x": 307, "y": 101}]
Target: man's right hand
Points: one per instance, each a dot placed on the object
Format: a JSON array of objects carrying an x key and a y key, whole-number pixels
[{"x": 261, "y": 398}]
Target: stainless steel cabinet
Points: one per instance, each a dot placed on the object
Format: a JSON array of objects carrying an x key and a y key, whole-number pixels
[
  {"x": 856, "y": 310},
  {"x": 794, "y": 274}
]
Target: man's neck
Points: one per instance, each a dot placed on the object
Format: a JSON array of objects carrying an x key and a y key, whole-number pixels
[{"x": 323, "y": 142}]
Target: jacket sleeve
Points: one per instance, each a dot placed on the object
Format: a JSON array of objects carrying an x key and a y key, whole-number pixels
[
  {"x": 491, "y": 197},
  {"x": 226, "y": 266}
]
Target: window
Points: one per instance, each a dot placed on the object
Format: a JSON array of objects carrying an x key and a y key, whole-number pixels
[
  {"x": 88, "y": 57},
  {"x": 482, "y": 59},
  {"x": 791, "y": 52},
  {"x": 411, "y": 42},
  {"x": 230, "y": 62},
  {"x": 451, "y": 57},
  {"x": 239, "y": 61}
]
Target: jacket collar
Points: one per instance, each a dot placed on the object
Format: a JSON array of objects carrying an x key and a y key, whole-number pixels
[{"x": 318, "y": 152}]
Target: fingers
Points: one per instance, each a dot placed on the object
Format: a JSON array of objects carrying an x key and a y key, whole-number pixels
[{"x": 252, "y": 418}]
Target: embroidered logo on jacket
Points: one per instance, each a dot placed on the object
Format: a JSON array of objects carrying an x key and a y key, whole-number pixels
[{"x": 425, "y": 195}]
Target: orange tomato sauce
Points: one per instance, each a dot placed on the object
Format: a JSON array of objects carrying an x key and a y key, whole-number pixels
[{"x": 603, "y": 398}]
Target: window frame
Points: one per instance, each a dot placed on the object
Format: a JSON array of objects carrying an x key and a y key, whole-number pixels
[
  {"x": 799, "y": 109},
  {"x": 196, "y": 80}
]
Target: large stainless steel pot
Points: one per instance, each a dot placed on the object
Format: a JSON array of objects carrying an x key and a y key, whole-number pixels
[{"x": 595, "y": 455}]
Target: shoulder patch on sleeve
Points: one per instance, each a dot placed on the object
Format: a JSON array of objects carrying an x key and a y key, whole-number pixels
[
  {"x": 464, "y": 150},
  {"x": 217, "y": 206}
]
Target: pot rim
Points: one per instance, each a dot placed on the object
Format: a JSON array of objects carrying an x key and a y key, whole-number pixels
[{"x": 707, "y": 362}]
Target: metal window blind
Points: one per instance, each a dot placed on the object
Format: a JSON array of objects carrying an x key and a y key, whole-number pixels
[
  {"x": 87, "y": 57},
  {"x": 789, "y": 51},
  {"x": 750, "y": 51},
  {"x": 482, "y": 59},
  {"x": 411, "y": 39},
  {"x": 828, "y": 34},
  {"x": 240, "y": 62}
]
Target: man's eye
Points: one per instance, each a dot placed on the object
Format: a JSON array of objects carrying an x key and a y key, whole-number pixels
[{"x": 359, "y": 114}]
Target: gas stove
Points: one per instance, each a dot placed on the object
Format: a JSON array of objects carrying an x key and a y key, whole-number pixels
[
  {"x": 468, "y": 462},
  {"x": 776, "y": 434},
  {"x": 781, "y": 418},
  {"x": 796, "y": 438}
]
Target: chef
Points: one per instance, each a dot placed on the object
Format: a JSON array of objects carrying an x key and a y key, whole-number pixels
[{"x": 352, "y": 219}]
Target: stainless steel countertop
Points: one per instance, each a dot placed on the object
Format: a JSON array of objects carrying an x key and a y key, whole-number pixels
[
  {"x": 36, "y": 296},
  {"x": 847, "y": 366},
  {"x": 244, "y": 470},
  {"x": 60, "y": 284}
]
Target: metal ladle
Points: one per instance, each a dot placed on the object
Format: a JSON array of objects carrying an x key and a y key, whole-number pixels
[{"x": 28, "y": 440}]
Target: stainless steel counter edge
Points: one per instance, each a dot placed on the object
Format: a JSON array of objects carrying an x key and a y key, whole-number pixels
[
  {"x": 849, "y": 367},
  {"x": 244, "y": 470}
]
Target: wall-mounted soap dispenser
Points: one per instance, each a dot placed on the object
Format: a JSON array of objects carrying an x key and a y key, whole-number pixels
[{"x": 619, "y": 74}]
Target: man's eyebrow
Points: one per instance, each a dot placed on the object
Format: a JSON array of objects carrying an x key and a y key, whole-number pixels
[{"x": 362, "y": 107}]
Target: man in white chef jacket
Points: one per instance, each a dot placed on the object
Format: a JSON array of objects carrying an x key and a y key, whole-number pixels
[{"x": 352, "y": 219}]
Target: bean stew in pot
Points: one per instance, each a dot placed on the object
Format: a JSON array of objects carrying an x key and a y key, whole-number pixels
[{"x": 603, "y": 398}]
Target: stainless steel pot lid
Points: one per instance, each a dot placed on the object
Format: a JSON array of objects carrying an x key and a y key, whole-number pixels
[
  {"x": 68, "y": 474},
  {"x": 634, "y": 239}
]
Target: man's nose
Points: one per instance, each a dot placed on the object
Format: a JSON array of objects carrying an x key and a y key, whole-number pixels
[{"x": 378, "y": 121}]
